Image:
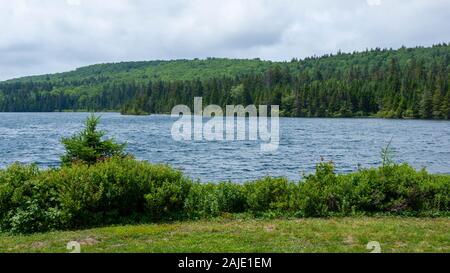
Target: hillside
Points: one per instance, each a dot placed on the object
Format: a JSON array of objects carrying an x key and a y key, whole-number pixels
[
  {"x": 153, "y": 70},
  {"x": 403, "y": 83}
]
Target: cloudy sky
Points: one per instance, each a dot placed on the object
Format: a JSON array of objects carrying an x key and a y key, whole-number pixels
[{"x": 46, "y": 36}]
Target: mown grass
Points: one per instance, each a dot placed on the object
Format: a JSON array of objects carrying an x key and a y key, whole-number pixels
[{"x": 395, "y": 234}]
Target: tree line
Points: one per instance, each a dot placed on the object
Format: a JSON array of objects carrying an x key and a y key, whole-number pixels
[{"x": 402, "y": 83}]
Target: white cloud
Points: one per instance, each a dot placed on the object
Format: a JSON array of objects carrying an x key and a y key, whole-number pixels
[{"x": 43, "y": 36}]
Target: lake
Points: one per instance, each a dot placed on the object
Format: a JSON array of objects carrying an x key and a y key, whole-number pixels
[{"x": 35, "y": 138}]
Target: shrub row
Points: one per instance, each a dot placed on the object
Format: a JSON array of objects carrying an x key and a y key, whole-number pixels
[{"x": 120, "y": 190}]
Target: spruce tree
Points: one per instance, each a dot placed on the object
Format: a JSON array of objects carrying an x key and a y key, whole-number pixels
[
  {"x": 426, "y": 105},
  {"x": 88, "y": 146},
  {"x": 436, "y": 104},
  {"x": 445, "y": 106}
]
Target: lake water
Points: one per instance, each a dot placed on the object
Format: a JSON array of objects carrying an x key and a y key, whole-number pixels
[{"x": 35, "y": 137}]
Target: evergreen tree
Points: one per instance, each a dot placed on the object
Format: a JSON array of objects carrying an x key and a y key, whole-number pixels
[
  {"x": 445, "y": 106},
  {"x": 426, "y": 105},
  {"x": 88, "y": 147},
  {"x": 436, "y": 104}
]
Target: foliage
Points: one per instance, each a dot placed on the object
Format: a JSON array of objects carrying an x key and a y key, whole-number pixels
[
  {"x": 76, "y": 196},
  {"x": 403, "y": 83},
  {"x": 271, "y": 194},
  {"x": 88, "y": 146},
  {"x": 166, "y": 200},
  {"x": 387, "y": 155},
  {"x": 202, "y": 201},
  {"x": 124, "y": 190},
  {"x": 28, "y": 202}
]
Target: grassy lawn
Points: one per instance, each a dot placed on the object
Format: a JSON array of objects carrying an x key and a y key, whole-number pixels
[{"x": 231, "y": 235}]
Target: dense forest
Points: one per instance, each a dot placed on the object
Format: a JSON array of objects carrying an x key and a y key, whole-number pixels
[{"x": 402, "y": 83}]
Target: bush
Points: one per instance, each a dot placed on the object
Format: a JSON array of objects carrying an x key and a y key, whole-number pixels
[
  {"x": 398, "y": 189},
  {"x": 116, "y": 190},
  {"x": 203, "y": 201},
  {"x": 320, "y": 193},
  {"x": 120, "y": 190},
  {"x": 403, "y": 189},
  {"x": 123, "y": 190},
  {"x": 272, "y": 195},
  {"x": 210, "y": 200},
  {"x": 231, "y": 197},
  {"x": 166, "y": 200},
  {"x": 29, "y": 203}
]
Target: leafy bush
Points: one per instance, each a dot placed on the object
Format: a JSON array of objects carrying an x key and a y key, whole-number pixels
[
  {"x": 210, "y": 200},
  {"x": 120, "y": 189},
  {"x": 402, "y": 189},
  {"x": 319, "y": 192},
  {"x": 203, "y": 201},
  {"x": 393, "y": 188},
  {"x": 231, "y": 197},
  {"x": 272, "y": 194},
  {"x": 28, "y": 203},
  {"x": 123, "y": 190},
  {"x": 116, "y": 190},
  {"x": 166, "y": 200}
]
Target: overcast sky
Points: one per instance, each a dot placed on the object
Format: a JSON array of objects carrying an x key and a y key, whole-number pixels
[{"x": 46, "y": 36}]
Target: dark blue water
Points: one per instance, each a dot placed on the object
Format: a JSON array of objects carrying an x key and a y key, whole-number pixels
[{"x": 31, "y": 137}]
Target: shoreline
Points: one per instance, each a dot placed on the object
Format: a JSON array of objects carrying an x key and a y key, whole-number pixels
[{"x": 168, "y": 114}]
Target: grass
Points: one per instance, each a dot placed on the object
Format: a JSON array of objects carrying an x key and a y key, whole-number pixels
[{"x": 395, "y": 234}]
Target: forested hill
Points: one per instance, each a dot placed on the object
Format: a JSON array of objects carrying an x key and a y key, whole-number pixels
[
  {"x": 154, "y": 70},
  {"x": 403, "y": 83}
]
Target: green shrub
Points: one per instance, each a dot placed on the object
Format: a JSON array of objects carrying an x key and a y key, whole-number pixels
[
  {"x": 231, "y": 197},
  {"x": 389, "y": 189},
  {"x": 33, "y": 217},
  {"x": 210, "y": 200},
  {"x": 272, "y": 195},
  {"x": 116, "y": 190},
  {"x": 123, "y": 190},
  {"x": 202, "y": 202},
  {"x": 29, "y": 203},
  {"x": 319, "y": 192},
  {"x": 120, "y": 189},
  {"x": 398, "y": 189},
  {"x": 166, "y": 200}
]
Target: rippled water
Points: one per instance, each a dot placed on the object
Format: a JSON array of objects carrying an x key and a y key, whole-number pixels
[{"x": 33, "y": 137}]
